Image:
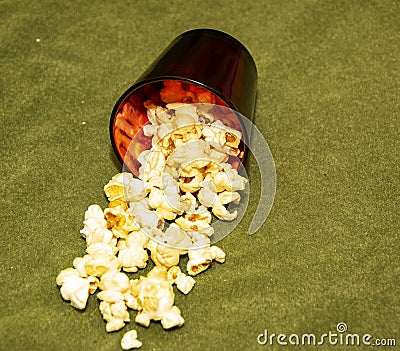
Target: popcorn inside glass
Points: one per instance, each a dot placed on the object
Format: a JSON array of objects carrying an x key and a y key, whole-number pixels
[{"x": 201, "y": 66}]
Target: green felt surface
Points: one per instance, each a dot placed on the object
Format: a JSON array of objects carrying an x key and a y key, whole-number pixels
[{"x": 328, "y": 105}]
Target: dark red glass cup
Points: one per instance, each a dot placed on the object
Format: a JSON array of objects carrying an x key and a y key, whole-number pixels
[{"x": 199, "y": 66}]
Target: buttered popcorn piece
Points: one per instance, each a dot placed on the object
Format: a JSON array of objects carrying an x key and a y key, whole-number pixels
[
  {"x": 222, "y": 134},
  {"x": 100, "y": 259},
  {"x": 120, "y": 221},
  {"x": 130, "y": 341},
  {"x": 201, "y": 259},
  {"x": 124, "y": 187},
  {"x": 199, "y": 220},
  {"x": 155, "y": 297}
]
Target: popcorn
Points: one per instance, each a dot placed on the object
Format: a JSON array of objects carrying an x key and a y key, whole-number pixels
[
  {"x": 166, "y": 198},
  {"x": 73, "y": 287},
  {"x": 156, "y": 299},
  {"x": 162, "y": 255},
  {"x": 183, "y": 282},
  {"x": 236, "y": 182},
  {"x": 153, "y": 163},
  {"x": 199, "y": 239},
  {"x": 144, "y": 217},
  {"x": 129, "y": 340},
  {"x": 209, "y": 198},
  {"x": 184, "y": 180},
  {"x": 176, "y": 237},
  {"x": 120, "y": 221},
  {"x": 132, "y": 253},
  {"x": 191, "y": 185},
  {"x": 114, "y": 314},
  {"x": 112, "y": 306},
  {"x": 94, "y": 221},
  {"x": 124, "y": 187},
  {"x": 222, "y": 134},
  {"x": 200, "y": 259},
  {"x": 207, "y": 194},
  {"x": 100, "y": 259},
  {"x": 227, "y": 197},
  {"x": 115, "y": 281},
  {"x": 199, "y": 220}
]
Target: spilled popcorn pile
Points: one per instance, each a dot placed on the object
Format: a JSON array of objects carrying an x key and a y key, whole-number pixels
[{"x": 166, "y": 213}]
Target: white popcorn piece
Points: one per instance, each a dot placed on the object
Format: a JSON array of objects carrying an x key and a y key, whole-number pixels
[
  {"x": 73, "y": 287},
  {"x": 115, "y": 288},
  {"x": 220, "y": 153},
  {"x": 130, "y": 341},
  {"x": 175, "y": 237},
  {"x": 125, "y": 187},
  {"x": 225, "y": 136},
  {"x": 185, "y": 115},
  {"x": 132, "y": 253},
  {"x": 110, "y": 296},
  {"x": 155, "y": 296},
  {"x": 95, "y": 228},
  {"x": 162, "y": 132},
  {"x": 101, "y": 235},
  {"x": 227, "y": 197},
  {"x": 187, "y": 152},
  {"x": 131, "y": 301},
  {"x": 190, "y": 201},
  {"x": 157, "y": 115},
  {"x": 65, "y": 274},
  {"x": 184, "y": 283},
  {"x": 207, "y": 194},
  {"x": 200, "y": 259},
  {"x": 163, "y": 256},
  {"x": 236, "y": 181},
  {"x": 209, "y": 198},
  {"x": 220, "y": 211},
  {"x": 153, "y": 164},
  {"x": 166, "y": 198},
  {"x": 199, "y": 240},
  {"x": 94, "y": 220},
  {"x": 114, "y": 280},
  {"x": 117, "y": 321},
  {"x": 192, "y": 184},
  {"x": 100, "y": 259},
  {"x": 150, "y": 129},
  {"x": 79, "y": 265},
  {"x": 145, "y": 217},
  {"x": 221, "y": 181}
]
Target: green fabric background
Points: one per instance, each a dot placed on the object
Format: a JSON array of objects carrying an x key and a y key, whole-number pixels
[{"x": 328, "y": 106}]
